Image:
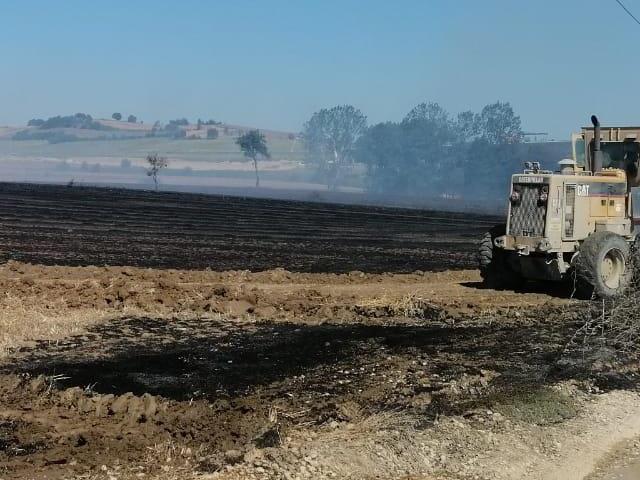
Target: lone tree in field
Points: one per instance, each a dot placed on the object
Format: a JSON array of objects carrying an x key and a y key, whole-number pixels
[
  {"x": 253, "y": 144},
  {"x": 156, "y": 163},
  {"x": 117, "y": 116},
  {"x": 132, "y": 119},
  {"x": 330, "y": 138}
]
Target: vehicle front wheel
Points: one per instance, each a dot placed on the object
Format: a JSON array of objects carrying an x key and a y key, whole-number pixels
[
  {"x": 492, "y": 262},
  {"x": 603, "y": 266}
]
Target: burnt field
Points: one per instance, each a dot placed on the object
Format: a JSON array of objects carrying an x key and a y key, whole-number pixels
[
  {"x": 77, "y": 226},
  {"x": 185, "y": 369}
]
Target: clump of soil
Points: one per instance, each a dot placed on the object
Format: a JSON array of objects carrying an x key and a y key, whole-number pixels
[{"x": 272, "y": 295}]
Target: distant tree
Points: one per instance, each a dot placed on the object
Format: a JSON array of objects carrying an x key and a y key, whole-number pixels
[
  {"x": 499, "y": 125},
  {"x": 253, "y": 144},
  {"x": 35, "y": 122},
  {"x": 430, "y": 134},
  {"x": 132, "y": 119},
  {"x": 330, "y": 136},
  {"x": 117, "y": 116},
  {"x": 156, "y": 164},
  {"x": 431, "y": 112},
  {"x": 382, "y": 148},
  {"x": 212, "y": 133},
  {"x": 467, "y": 125},
  {"x": 199, "y": 124},
  {"x": 291, "y": 136},
  {"x": 125, "y": 163}
]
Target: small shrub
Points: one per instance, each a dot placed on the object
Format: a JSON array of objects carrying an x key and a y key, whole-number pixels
[{"x": 541, "y": 406}]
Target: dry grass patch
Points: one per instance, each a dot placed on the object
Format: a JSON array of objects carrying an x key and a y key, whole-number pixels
[
  {"x": 410, "y": 305},
  {"x": 22, "y": 321}
]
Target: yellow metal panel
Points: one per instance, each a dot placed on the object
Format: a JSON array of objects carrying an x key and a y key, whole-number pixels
[
  {"x": 599, "y": 206},
  {"x": 616, "y": 207}
]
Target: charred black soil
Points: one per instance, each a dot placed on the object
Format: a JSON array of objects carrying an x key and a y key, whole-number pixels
[{"x": 57, "y": 225}]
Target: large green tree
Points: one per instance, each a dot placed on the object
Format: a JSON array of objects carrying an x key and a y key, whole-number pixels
[
  {"x": 330, "y": 137},
  {"x": 253, "y": 145},
  {"x": 499, "y": 125},
  {"x": 431, "y": 112}
]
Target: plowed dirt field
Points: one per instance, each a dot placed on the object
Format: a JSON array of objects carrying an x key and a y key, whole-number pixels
[
  {"x": 339, "y": 356},
  {"x": 89, "y": 226}
]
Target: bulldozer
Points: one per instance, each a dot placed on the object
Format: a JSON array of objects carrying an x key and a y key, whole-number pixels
[{"x": 574, "y": 224}]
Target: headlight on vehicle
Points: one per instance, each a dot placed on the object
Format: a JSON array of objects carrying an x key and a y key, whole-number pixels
[{"x": 544, "y": 194}]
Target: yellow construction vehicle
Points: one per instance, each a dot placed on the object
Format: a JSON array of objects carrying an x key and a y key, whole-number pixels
[{"x": 575, "y": 223}]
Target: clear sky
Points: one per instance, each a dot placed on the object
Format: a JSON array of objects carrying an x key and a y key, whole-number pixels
[{"x": 272, "y": 63}]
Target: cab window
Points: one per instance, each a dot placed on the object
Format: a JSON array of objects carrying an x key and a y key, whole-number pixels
[
  {"x": 619, "y": 154},
  {"x": 579, "y": 150}
]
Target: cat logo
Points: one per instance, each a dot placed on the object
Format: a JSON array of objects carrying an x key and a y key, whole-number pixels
[{"x": 582, "y": 190}]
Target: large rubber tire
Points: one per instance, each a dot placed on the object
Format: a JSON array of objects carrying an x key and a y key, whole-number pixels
[
  {"x": 492, "y": 262},
  {"x": 603, "y": 266}
]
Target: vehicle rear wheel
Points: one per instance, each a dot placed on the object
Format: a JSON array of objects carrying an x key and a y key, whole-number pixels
[
  {"x": 492, "y": 262},
  {"x": 603, "y": 266}
]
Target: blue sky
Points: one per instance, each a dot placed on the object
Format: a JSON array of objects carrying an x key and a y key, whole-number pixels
[{"x": 271, "y": 64}]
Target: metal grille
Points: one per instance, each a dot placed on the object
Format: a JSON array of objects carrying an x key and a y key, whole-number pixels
[
  {"x": 528, "y": 215},
  {"x": 569, "y": 213}
]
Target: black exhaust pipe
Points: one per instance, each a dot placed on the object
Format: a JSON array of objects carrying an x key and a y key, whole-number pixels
[{"x": 596, "y": 164}]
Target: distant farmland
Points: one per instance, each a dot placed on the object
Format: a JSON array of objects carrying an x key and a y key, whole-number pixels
[{"x": 219, "y": 150}]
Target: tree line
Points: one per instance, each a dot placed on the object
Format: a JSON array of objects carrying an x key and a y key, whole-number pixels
[
  {"x": 79, "y": 120},
  {"x": 429, "y": 151}
]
